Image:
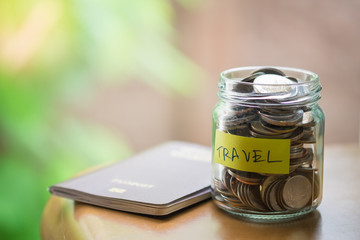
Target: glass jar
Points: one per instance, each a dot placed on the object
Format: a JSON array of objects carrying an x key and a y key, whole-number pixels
[{"x": 268, "y": 140}]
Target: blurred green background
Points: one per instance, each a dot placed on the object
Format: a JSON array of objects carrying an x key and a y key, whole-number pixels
[{"x": 54, "y": 54}]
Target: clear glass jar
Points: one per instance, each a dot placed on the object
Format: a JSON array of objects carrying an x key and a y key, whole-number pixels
[{"x": 268, "y": 140}]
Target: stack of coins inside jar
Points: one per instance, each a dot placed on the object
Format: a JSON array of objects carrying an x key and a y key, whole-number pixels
[{"x": 269, "y": 117}]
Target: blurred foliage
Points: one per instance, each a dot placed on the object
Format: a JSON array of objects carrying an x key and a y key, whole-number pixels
[{"x": 52, "y": 53}]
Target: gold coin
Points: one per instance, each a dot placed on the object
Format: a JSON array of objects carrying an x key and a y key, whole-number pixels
[{"x": 246, "y": 177}]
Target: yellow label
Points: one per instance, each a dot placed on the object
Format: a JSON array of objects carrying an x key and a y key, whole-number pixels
[{"x": 252, "y": 154}]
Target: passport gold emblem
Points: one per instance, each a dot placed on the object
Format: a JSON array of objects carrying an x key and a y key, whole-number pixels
[{"x": 117, "y": 190}]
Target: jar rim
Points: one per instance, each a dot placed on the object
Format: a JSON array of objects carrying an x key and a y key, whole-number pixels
[
  {"x": 311, "y": 77},
  {"x": 235, "y": 87}
]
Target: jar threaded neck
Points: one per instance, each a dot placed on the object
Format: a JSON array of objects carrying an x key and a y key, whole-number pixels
[{"x": 235, "y": 87}]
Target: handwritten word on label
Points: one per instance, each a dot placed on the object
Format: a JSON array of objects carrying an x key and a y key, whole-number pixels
[{"x": 252, "y": 154}]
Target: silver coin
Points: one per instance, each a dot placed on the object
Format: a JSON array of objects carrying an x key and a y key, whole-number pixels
[
  {"x": 296, "y": 192},
  {"x": 273, "y": 197},
  {"x": 277, "y": 129},
  {"x": 272, "y": 83},
  {"x": 278, "y": 136},
  {"x": 308, "y": 120},
  {"x": 259, "y": 128},
  {"x": 282, "y": 120}
]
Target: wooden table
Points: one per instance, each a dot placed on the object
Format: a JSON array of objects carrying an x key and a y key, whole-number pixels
[{"x": 338, "y": 216}]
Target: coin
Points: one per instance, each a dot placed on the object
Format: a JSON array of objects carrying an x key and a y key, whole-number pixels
[
  {"x": 280, "y": 114},
  {"x": 246, "y": 177},
  {"x": 241, "y": 130},
  {"x": 296, "y": 135},
  {"x": 295, "y": 146},
  {"x": 272, "y": 197},
  {"x": 308, "y": 138},
  {"x": 278, "y": 129},
  {"x": 226, "y": 179},
  {"x": 240, "y": 192},
  {"x": 261, "y": 129},
  {"x": 313, "y": 175},
  {"x": 272, "y": 83},
  {"x": 275, "y": 111},
  {"x": 240, "y": 110},
  {"x": 251, "y": 78},
  {"x": 277, "y": 136},
  {"x": 296, "y": 192},
  {"x": 253, "y": 198},
  {"x": 233, "y": 120},
  {"x": 292, "y": 79},
  {"x": 308, "y": 120},
  {"x": 287, "y": 120},
  {"x": 297, "y": 153},
  {"x": 266, "y": 183},
  {"x": 245, "y": 85},
  {"x": 221, "y": 189},
  {"x": 306, "y": 157}
]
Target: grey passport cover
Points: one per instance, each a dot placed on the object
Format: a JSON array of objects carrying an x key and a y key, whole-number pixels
[{"x": 158, "y": 181}]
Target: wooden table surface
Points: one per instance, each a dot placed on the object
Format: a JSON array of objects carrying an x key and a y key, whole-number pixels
[{"x": 337, "y": 217}]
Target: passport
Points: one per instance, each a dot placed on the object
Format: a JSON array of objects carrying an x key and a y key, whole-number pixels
[{"x": 158, "y": 181}]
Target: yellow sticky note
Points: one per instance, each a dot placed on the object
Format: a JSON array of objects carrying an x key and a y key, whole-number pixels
[{"x": 252, "y": 154}]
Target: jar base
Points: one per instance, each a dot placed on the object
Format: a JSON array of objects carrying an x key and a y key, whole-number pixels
[{"x": 255, "y": 216}]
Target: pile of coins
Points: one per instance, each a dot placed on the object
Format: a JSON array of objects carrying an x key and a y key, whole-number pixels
[
  {"x": 251, "y": 191},
  {"x": 270, "y": 192}
]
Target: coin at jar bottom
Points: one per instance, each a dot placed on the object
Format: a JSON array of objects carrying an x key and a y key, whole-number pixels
[
  {"x": 296, "y": 192},
  {"x": 276, "y": 198}
]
